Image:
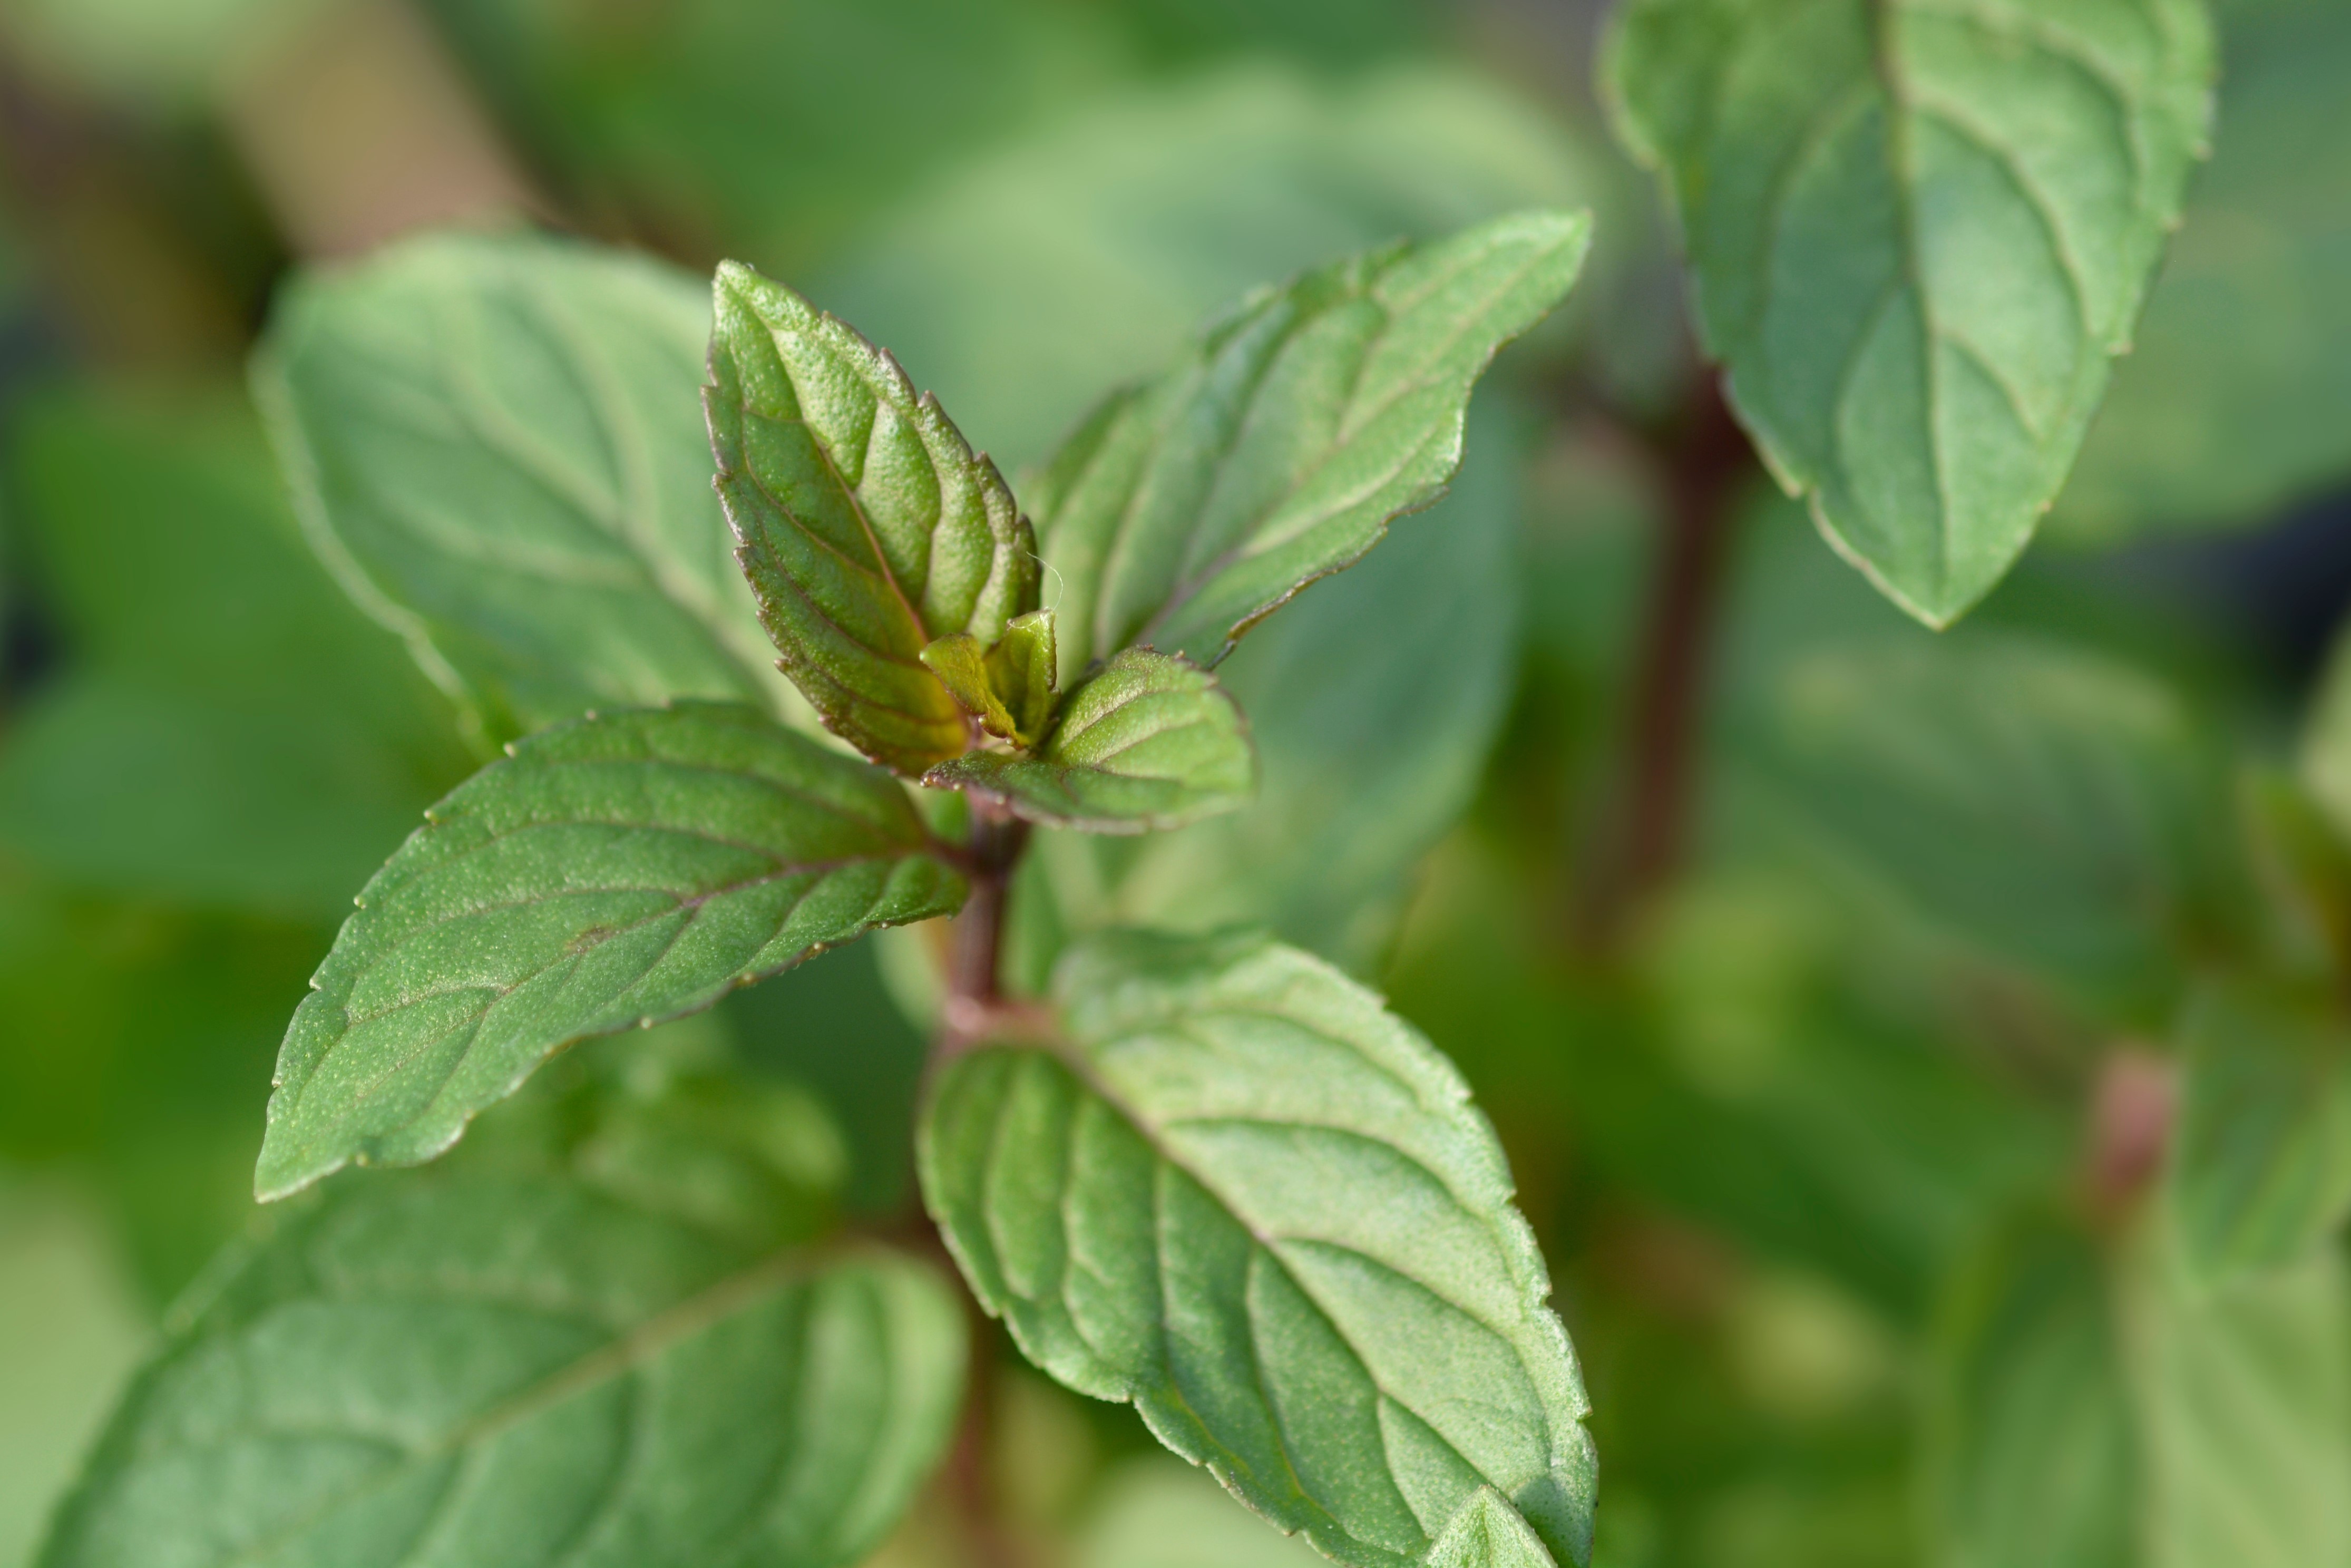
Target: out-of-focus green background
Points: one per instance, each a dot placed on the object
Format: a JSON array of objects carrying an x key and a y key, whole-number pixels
[{"x": 1934, "y": 881}]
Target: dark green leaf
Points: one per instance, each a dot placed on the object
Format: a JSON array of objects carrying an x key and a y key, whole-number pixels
[
  {"x": 1276, "y": 452},
  {"x": 1919, "y": 232},
  {"x": 2046, "y": 804},
  {"x": 2230, "y": 402},
  {"x": 1149, "y": 742},
  {"x": 493, "y": 442},
  {"x": 866, "y": 525},
  {"x": 613, "y": 871},
  {"x": 1488, "y": 1533},
  {"x": 1250, "y": 1200},
  {"x": 2260, "y": 1172},
  {"x": 227, "y": 733},
  {"x": 523, "y": 1360},
  {"x": 2036, "y": 1461}
]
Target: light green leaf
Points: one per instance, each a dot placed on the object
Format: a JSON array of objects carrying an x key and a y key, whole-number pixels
[
  {"x": 2261, "y": 1163},
  {"x": 1278, "y": 450},
  {"x": 517, "y": 1361},
  {"x": 2230, "y": 405},
  {"x": 1488, "y": 1533},
  {"x": 1919, "y": 231},
  {"x": 613, "y": 871},
  {"x": 2042, "y": 803},
  {"x": 494, "y": 443},
  {"x": 1157, "y": 1513},
  {"x": 1148, "y": 742},
  {"x": 867, "y": 527},
  {"x": 2034, "y": 1458},
  {"x": 1246, "y": 1197},
  {"x": 1022, "y": 671},
  {"x": 2245, "y": 1395}
]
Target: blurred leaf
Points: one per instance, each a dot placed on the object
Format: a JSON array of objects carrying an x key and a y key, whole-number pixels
[
  {"x": 69, "y": 1332},
  {"x": 1301, "y": 1262},
  {"x": 2037, "y": 1459},
  {"x": 765, "y": 130},
  {"x": 615, "y": 871},
  {"x": 147, "y": 52},
  {"x": 137, "y": 1049},
  {"x": 1369, "y": 746},
  {"x": 227, "y": 734},
  {"x": 2327, "y": 741},
  {"x": 1027, "y": 280},
  {"x": 2230, "y": 405},
  {"x": 1157, "y": 1513},
  {"x": 462, "y": 1356},
  {"x": 495, "y": 444},
  {"x": 1277, "y": 451},
  {"x": 1147, "y": 742},
  {"x": 2246, "y": 1390},
  {"x": 866, "y": 525},
  {"x": 2261, "y": 1171},
  {"x": 1917, "y": 236},
  {"x": 2043, "y": 803}
]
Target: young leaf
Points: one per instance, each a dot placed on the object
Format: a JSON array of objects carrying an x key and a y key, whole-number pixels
[
  {"x": 1277, "y": 451},
  {"x": 524, "y": 1366},
  {"x": 492, "y": 440},
  {"x": 1149, "y": 742},
  {"x": 612, "y": 871},
  {"x": 1920, "y": 233},
  {"x": 1488, "y": 1533},
  {"x": 1248, "y": 1199},
  {"x": 867, "y": 527},
  {"x": 2260, "y": 1168},
  {"x": 1021, "y": 671}
]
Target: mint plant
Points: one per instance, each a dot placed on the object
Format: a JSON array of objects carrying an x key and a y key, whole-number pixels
[{"x": 604, "y": 1307}]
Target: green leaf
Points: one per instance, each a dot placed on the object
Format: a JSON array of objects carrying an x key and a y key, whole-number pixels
[
  {"x": 494, "y": 443},
  {"x": 1250, "y": 1200},
  {"x": 517, "y": 1360},
  {"x": 1157, "y": 1513},
  {"x": 2230, "y": 404},
  {"x": 1148, "y": 742},
  {"x": 1277, "y": 451},
  {"x": 2042, "y": 803},
  {"x": 2327, "y": 741},
  {"x": 1919, "y": 232},
  {"x": 1369, "y": 745},
  {"x": 1488, "y": 1533},
  {"x": 2245, "y": 1395},
  {"x": 206, "y": 648},
  {"x": 1009, "y": 688},
  {"x": 2034, "y": 1457},
  {"x": 2261, "y": 1171},
  {"x": 866, "y": 525},
  {"x": 613, "y": 871}
]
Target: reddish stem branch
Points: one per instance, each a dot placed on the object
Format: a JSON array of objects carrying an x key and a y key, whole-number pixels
[{"x": 1707, "y": 460}]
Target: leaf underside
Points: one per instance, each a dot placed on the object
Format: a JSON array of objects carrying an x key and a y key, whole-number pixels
[
  {"x": 1149, "y": 742},
  {"x": 1279, "y": 449},
  {"x": 866, "y": 525},
  {"x": 1488, "y": 1533},
  {"x": 527, "y": 1368},
  {"x": 493, "y": 442},
  {"x": 1919, "y": 230},
  {"x": 1254, "y": 1204},
  {"x": 618, "y": 869}
]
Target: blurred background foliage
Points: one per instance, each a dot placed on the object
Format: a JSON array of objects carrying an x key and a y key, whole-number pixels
[{"x": 1804, "y": 1132}]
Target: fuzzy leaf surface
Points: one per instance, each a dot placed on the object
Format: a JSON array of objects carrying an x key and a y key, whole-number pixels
[
  {"x": 612, "y": 871},
  {"x": 1149, "y": 742},
  {"x": 1488, "y": 1533},
  {"x": 493, "y": 443},
  {"x": 2260, "y": 1168},
  {"x": 1919, "y": 232},
  {"x": 1278, "y": 449},
  {"x": 866, "y": 525},
  {"x": 527, "y": 1361},
  {"x": 1248, "y": 1199}
]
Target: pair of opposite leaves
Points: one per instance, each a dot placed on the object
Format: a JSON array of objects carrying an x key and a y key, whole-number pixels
[{"x": 636, "y": 865}]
